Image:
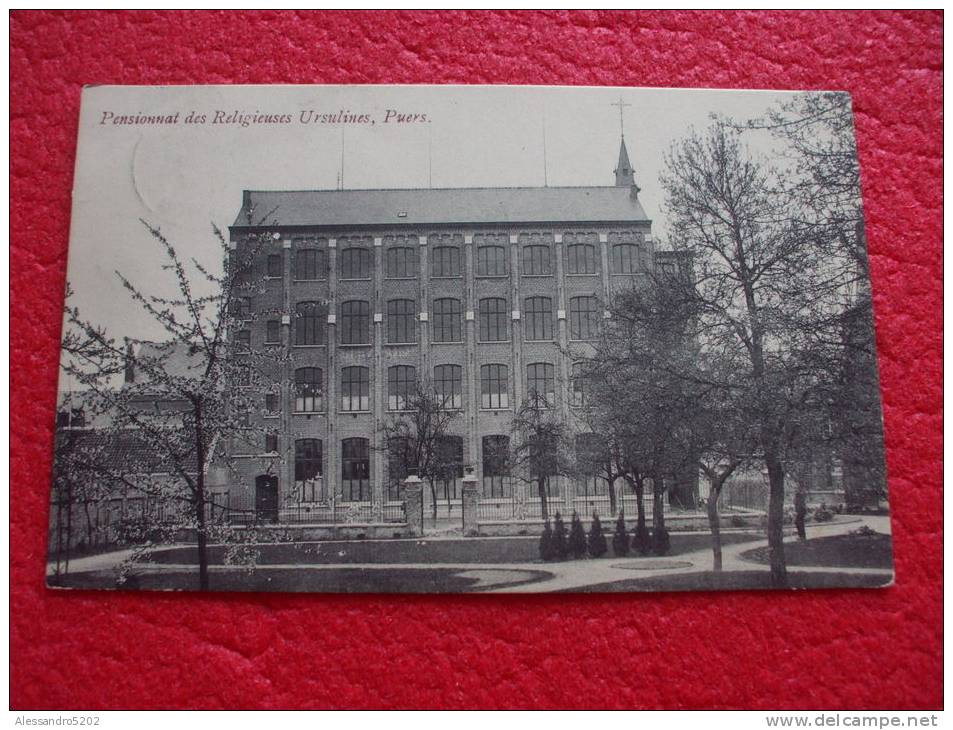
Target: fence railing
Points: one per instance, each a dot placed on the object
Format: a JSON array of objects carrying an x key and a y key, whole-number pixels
[
  {"x": 318, "y": 513},
  {"x": 504, "y": 509}
]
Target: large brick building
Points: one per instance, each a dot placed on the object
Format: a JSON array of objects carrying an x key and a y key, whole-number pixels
[{"x": 481, "y": 291}]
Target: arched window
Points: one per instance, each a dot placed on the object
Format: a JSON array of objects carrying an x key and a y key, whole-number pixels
[
  {"x": 493, "y": 320},
  {"x": 400, "y": 262},
  {"x": 355, "y": 470},
  {"x": 581, "y": 258},
  {"x": 445, "y": 261},
  {"x": 309, "y": 470},
  {"x": 592, "y": 455},
  {"x": 355, "y": 389},
  {"x": 537, "y": 260},
  {"x": 401, "y": 321},
  {"x": 538, "y": 313},
  {"x": 583, "y": 318},
  {"x": 449, "y": 462},
  {"x": 491, "y": 261},
  {"x": 355, "y": 263},
  {"x": 580, "y": 385},
  {"x": 400, "y": 460},
  {"x": 448, "y": 384},
  {"x": 355, "y": 322},
  {"x": 446, "y": 320},
  {"x": 309, "y": 390},
  {"x": 494, "y": 386},
  {"x": 541, "y": 383},
  {"x": 309, "y": 323},
  {"x": 310, "y": 264},
  {"x": 625, "y": 258},
  {"x": 496, "y": 472},
  {"x": 401, "y": 382}
]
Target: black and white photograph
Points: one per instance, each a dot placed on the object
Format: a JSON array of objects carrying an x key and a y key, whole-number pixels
[{"x": 422, "y": 339}]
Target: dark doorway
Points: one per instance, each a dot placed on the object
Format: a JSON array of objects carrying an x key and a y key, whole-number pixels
[{"x": 266, "y": 498}]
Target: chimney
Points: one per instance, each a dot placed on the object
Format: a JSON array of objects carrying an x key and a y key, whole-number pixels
[{"x": 130, "y": 371}]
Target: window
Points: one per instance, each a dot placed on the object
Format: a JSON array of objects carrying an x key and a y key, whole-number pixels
[
  {"x": 539, "y": 318},
  {"x": 625, "y": 258},
  {"x": 355, "y": 263},
  {"x": 449, "y": 459},
  {"x": 448, "y": 384},
  {"x": 541, "y": 383},
  {"x": 243, "y": 341},
  {"x": 355, "y": 389},
  {"x": 274, "y": 268},
  {"x": 401, "y": 320},
  {"x": 537, "y": 260},
  {"x": 309, "y": 470},
  {"x": 272, "y": 332},
  {"x": 496, "y": 482},
  {"x": 400, "y": 460},
  {"x": 309, "y": 390},
  {"x": 491, "y": 261},
  {"x": 309, "y": 323},
  {"x": 401, "y": 382},
  {"x": 580, "y": 384},
  {"x": 271, "y": 403},
  {"x": 271, "y": 443},
  {"x": 242, "y": 308},
  {"x": 581, "y": 258},
  {"x": 310, "y": 264},
  {"x": 445, "y": 261},
  {"x": 494, "y": 386},
  {"x": 583, "y": 318},
  {"x": 355, "y": 470},
  {"x": 446, "y": 320},
  {"x": 243, "y": 375},
  {"x": 355, "y": 323},
  {"x": 400, "y": 262},
  {"x": 493, "y": 320},
  {"x": 591, "y": 456}
]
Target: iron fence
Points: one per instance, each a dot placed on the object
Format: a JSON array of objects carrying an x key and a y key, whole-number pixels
[
  {"x": 515, "y": 508},
  {"x": 318, "y": 513}
]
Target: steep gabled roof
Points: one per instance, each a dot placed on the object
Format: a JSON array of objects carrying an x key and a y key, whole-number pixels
[{"x": 441, "y": 206}]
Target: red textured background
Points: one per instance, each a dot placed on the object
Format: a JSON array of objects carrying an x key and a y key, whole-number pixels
[{"x": 844, "y": 649}]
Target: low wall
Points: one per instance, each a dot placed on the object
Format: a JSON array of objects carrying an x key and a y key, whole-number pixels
[
  {"x": 673, "y": 522},
  {"x": 311, "y": 533}
]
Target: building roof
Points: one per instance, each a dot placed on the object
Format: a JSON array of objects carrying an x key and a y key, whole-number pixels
[{"x": 441, "y": 206}]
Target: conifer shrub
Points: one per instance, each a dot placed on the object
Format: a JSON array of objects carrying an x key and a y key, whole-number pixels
[
  {"x": 620, "y": 538},
  {"x": 560, "y": 542},
  {"x": 577, "y": 538},
  {"x": 597, "y": 541},
  {"x": 546, "y": 551}
]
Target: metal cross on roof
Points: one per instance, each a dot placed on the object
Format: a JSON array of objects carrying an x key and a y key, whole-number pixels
[{"x": 621, "y": 104}]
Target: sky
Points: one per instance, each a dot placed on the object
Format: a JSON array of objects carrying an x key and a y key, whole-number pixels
[{"x": 187, "y": 176}]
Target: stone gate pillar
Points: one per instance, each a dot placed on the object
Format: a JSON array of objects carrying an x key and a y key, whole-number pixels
[
  {"x": 470, "y": 501},
  {"x": 413, "y": 491}
]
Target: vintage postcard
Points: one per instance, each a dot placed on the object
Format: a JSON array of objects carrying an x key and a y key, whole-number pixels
[{"x": 465, "y": 338}]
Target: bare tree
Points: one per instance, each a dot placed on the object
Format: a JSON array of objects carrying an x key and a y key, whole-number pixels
[{"x": 182, "y": 398}]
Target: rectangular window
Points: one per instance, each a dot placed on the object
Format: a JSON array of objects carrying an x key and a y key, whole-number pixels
[
  {"x": 355, "y": 263},
  {"x": 271, "y": 443},
  {"x": 446, "y": 321},
  {"x": 309, "y": 390},
  {"x": 273, "y": 332},
  {"x": 448, "y": 383},
  {"x": 537, "y": 260},
  {"x": 401, "y": 321},
  {"x": 491, "y": 261},
  {"x": 355, "y": 323},
  {"x": 271, "y": 403},
  {"x": 310, "y": 264},
  {"x": 583, "y": 318},
  {"x": 355, "y": 389},
  {"x": 445, "y": 261},
  {"x": 401, "y": 383},
  {"x": 274, "y": 269},
  {"x": 309, "y": 323},
  {"x": 494, "y": 319},
  {"x": 581, "y": 258},
  {"x": 541, "y": 383},
  {"x": 401, "y": 262},
  {"x": 242, "y": 308},
  {"x": 580, "y": 385},
  {"x": 538, "y": 318},
  {"x": 355, "y": 470},
  {"x": 494, "y": 386},
  {"x": 243, "y": 341},
  {"x": 625, "y": 258}
]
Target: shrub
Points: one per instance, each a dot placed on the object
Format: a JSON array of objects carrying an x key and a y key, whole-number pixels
[
  {"x": 620, "y": 538},
  {"x": 660, "y": 541},
  {"x": 597, "y": 541},
  {"x": 577, "y": 538},
  {"x": 642, "y": 539},
  {"x": 822, "y": 514},
  {"x": 737, "y": 521},
  {"x": 560, "y": 543},
  {"x": 546, "y": 551}
]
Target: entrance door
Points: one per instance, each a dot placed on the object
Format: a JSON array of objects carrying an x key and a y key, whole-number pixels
[{"x": 266, "y": 498}]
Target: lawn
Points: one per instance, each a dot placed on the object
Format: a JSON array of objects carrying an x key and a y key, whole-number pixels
[
  {"x": 485, "y": 551},
  {"x": 343, "y": 580},
  {"x": 737, "y": 581},
  {"x": 873, "y": 550}
]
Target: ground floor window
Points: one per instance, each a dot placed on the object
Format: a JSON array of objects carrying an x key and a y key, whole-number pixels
[
  {"x": 449, "y": 465},
  {"x": 496, "y": 474},
  {"x": 400, "y": 461},
  {"x": 309, "y": 470},
  {"x": 355, "y": 470}
]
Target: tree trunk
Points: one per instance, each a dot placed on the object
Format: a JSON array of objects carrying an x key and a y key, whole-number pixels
[
  {"x": 779, "y": 575},
  {"x": 714, "y": 524},
  {"x": 433, "y": 500},
  {"x": 613, "y": 507},
  {"x": 201, "y": 534},
  {"x": 543, "y": 505},
  {"x": 658, "y": 506}
]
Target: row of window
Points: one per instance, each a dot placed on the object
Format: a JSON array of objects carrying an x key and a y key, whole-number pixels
[
  {"x": 447, "y": 383},
  {"x": 401, "y": 262},
  {"x": 355, "y": 468},
  {"x": 447, "y": 321}
]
